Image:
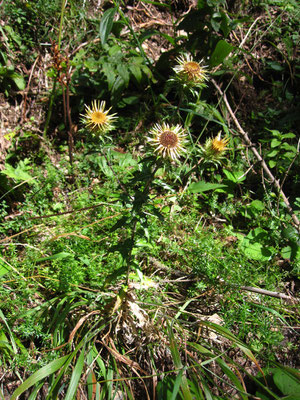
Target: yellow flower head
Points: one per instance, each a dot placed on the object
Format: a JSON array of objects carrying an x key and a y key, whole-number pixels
[
  {"x": 214, "y": 148},
  {"x": 189, "y": 71},
  {"x": 168, "y": 140},
  {"x": 97, "y": 119},
  {"x": 219, "y": 145}
]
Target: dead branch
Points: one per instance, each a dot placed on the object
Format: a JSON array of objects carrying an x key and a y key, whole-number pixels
[{"x": 247, "y": 140}]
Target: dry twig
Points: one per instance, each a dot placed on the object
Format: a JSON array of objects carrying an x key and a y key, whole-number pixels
[{"x": 266, "y": 169}]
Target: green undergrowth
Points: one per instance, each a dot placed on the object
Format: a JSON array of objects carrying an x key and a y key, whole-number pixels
[
  {"x": 146, "y": 249},
  {"x": 63, "y": 252}
]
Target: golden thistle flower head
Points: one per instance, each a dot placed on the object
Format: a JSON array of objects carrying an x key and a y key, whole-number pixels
[
  {"x": 168, "y": 140},
  {"x": 219, "y": 145},
  {"x": 190, "y": 72},
  {"x": 97, "y": 119},
  {"x": 214, "y": 148}
]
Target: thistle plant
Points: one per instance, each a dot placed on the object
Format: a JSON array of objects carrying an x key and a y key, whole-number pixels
[
  {"x": 214, "y": 149},
  {"x": 98, "y": 120},
  {"x": 189, "y": 73},
  {"x": 168, "y": 141}
]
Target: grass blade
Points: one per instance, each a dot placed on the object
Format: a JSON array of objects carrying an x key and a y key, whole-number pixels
[
  {"x": 42, "y": 373},
  {"x": 178, "y": 364},
  {"x": 75, "y": 376},
  {"x": 177, "y": 384}
]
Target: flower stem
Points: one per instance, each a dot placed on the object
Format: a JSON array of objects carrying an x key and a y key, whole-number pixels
[{"x": 51, "y": 100}]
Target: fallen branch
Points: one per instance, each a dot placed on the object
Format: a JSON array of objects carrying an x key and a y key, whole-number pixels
[
  {"x": 269, "y": 293},
  {"x": 246, "y": 138}
]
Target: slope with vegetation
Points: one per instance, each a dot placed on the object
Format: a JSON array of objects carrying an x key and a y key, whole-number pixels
[{"x": 149, "y": 197}]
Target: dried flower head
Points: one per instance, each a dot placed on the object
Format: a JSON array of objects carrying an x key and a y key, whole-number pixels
[
  {"x": 97, "y": 119},
  {"x": 168, "y": 140},
  {"x": 190, "y": 72},
  {"x": 214, "y": 148}
]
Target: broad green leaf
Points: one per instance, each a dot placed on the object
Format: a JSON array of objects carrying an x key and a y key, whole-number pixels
[
  {"x": 275, "y": 143},
  {"x": 288, "y": 384},
  {"x": 4, "y": 343},
  {"x": 275, "y": 66},
  {"x": 136, "y": 72},
  {"x": 258, "y": 205},
  {"x": 273, "y": 153},
  {"x": 110, "y": 74},
  {"x": 75, "y": 376},
  {"x": 4, "y": 268},
  {"x": 18, "y": 173},
  {"x": 288, "y": 135},
  {"x": 42, "y": 373},
  {"x": 124, "y": 73},
  {"x": 235, "y": 176},
  {"x": 256, "y": 250},
  {"x": 286, "y": 252},
  {"x": 202, "y": 186},
  {"x": 220, "y": 53},
  {"x": 13, "y": 35},
  {"x": 106, "y": 24},
  {"x": 18, "y": 80},
  {"x": 118, "y": 86}
]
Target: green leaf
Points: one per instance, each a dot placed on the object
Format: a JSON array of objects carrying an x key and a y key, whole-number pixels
[
  {"x": 147, "y": 34},
  {"x": 110, "y": 74},
  {"x": 256, "y": 251},
  {"x": 136, "y": 72},
  {"x": 19, "y": 173},
  {"x": 275, "y": 143},
  {"x": 18, "y": 80},
  {"x": 42, "y": 373},
  {"x": 257, "y": 205},
  {"x": 13, "y": 343},
  {"x": 220, "y": 53},
  {"x": 57, "y": 256},
  {"x": 4, "y": 268},
  {"x": 288, "y": 135},
  {"x": 286, "y": 252},
  {"x": 291, "y": 234},
  {"x": 275, "y": 66},
  {"x": 106, "y": 24},
  {"x": 272, "y": 163},
  {"x": 178, "y": 364},
  {"x": 124, "y": 73},
  {"x": 118, "y": 86},
  {"x": 202, "y": 186},
  {"x": 273, "y": 153},
  {"x": 288, "y": 384},
  {"x": 227, "y": 371},
  {"x": 75, "y": 376},
  {"x": 177, "y": 385},
  {"x": 235, "y": 176}
]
